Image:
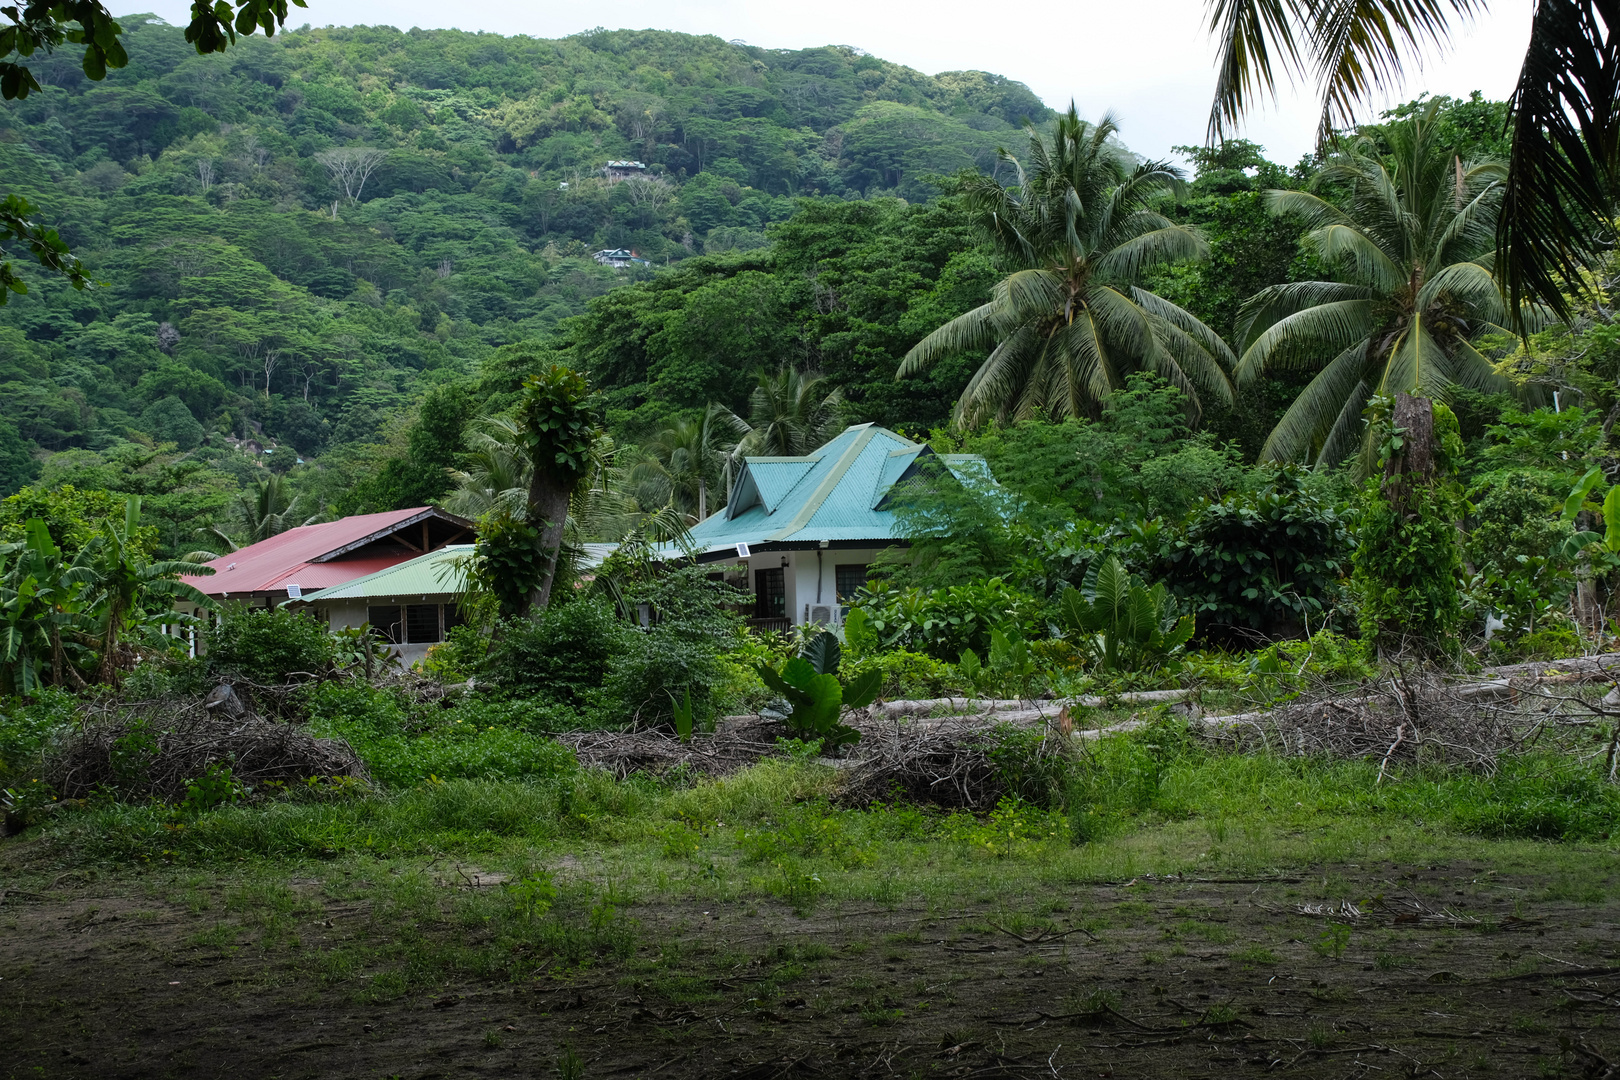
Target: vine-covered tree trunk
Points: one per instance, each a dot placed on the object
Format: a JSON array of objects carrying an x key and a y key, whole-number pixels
[
  {"x": 1414, "y": 462},
  {"x": 1408, "y": 561},
  {"x": 548, "y": 512}
]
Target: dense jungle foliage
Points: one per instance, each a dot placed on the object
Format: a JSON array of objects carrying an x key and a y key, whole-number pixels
[
  {"x": 330, "y": 265},
  {"x": 259, "y": 276}
]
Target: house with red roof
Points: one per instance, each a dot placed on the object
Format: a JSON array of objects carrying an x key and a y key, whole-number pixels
[{"x": 313, "y": 557}]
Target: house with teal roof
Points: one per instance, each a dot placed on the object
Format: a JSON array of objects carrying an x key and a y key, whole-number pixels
[{"x": 799, "y": 533}]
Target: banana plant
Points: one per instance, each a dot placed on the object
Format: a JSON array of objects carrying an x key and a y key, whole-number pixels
[
  {"x": 1126, "y": 626},
  {"x": 818, "y": 697},
  {"x": 43, "y": 613},
  {"x": 1605, "y": 543}
]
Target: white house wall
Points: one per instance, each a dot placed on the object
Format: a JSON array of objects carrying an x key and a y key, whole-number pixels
[{"x": 800, "y": 578}]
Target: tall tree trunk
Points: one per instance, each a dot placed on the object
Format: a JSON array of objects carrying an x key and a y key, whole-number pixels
[
  {"x": 1415, "y": 461},
  {"x": 548, "y": 511}
]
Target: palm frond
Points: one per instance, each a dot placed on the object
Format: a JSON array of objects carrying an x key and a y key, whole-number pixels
[
  {"x": 1275, "y": 302},
  {"x": 1126, "y": 262},
  {"x": 976, "y": 329},
  {"x": 1358, "y": 256},
  {"x": 1304, "y": 428},
  {"x": 1299, "y": 339},
  {"x": 1566, "y": 151},
  {"x": 1251, "y": 33}
]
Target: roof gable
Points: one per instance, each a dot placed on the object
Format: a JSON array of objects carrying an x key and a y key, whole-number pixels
[
  {"x": 316, "y": 556},
  {"x": 836, "y": 494}
]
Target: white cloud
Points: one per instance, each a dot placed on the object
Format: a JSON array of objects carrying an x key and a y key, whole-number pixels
[{"x": 1152, "y": 63}]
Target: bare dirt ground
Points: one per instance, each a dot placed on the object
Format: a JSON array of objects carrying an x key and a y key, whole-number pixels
[{"x": 1447, "y": 971}]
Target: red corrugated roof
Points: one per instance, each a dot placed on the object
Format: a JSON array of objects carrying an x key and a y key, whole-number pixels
[{"x": 293, "y": 556}]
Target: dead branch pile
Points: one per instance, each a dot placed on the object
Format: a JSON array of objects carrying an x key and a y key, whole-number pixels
[
  {"x": 946, "y": 762},
  {"x": 155, "y": 749},
  {"x": 739, "y": 743},
  {"x": 1419, "y": 716}
]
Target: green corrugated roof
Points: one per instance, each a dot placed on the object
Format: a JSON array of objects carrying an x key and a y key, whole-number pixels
[
  {"x": 834, "y": 494},
  {"x": 441, "y": 571}
]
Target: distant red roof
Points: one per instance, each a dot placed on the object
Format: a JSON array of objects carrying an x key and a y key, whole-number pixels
[{"x": 313, "y": 556}]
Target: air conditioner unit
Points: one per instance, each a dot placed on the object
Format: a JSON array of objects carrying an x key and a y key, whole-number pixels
[{"x": 822, "y": 614}]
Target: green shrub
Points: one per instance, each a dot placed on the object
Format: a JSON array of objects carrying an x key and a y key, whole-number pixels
[
  {"x": 459, "y": 656},
  {"x": 1271, "y": 560},
  {"x": 26, "y": 726},
  {"x": 166, "y": 677},
  {"x": 694, "y": 624},
  {"x": 1032, "y": 766},
  {"x": 1120, "y": 777},
  {"x": 266, "y": 646},
  {"x": 463, "y": 743},
  {"x": 1556, "y": 642},
  {"x": 563, "y": 654},
  {"x": 943, "y": 623},
  {"x": 907, "y": 674}
]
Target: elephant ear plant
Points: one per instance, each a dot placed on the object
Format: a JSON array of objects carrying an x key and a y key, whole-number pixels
[
  {"x": 1127, "y": 627},
  {"x": 811, "y": 685}
]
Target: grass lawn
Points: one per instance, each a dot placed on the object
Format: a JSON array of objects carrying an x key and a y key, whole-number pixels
[{"x": 1189, "y": 920}]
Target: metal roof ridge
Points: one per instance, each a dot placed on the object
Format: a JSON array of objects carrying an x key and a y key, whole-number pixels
[
  {"x": 388, "y": 530},
  {"x": 840, "y": 467}
]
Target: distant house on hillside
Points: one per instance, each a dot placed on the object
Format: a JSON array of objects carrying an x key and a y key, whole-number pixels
[
  {"x": 619, "y": 258},
  {"x": 616, "y": 171},
  {"x": 800, "y": 533}
]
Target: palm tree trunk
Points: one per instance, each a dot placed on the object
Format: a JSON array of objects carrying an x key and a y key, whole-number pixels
[{"x": 703, "y": 499}]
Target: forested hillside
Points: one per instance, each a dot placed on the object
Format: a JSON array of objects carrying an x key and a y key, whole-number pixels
[{"x": 294, "y": 240}]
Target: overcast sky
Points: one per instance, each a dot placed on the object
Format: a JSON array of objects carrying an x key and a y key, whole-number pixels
[{"x": 1150, "y": 61}]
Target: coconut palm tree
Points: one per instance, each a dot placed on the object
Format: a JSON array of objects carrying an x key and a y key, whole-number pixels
[
  {"x": 1412, "y": 250},
  {"x": 686, "y": 461},
  {"x": 1564, "y": 170},
  {"x": 495, "y": 469},
  {"x": 790, "y": 413},
  {"x": 265, "y": 510},
  {"x": 1069, "y": 323}
]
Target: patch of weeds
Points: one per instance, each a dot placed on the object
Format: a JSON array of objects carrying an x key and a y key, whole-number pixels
[
  {"x": 1210, "y": 932},
  {"x": 1320, "y": 1037},
  {"x": 338, "y": 965},
  {"x": 877, "y": 1016},
  {"x": 1252, "y": 955},
  {"x": 1390, "y": 962},
  {"x": 1090, "y": 1004},
  {"x": 220, "y": 935},
  {"x": 570, "y": 1066},
  {"x": 386, "y": 986},
  {"x": 801, "y": 888},
  {"x": 1333, "y": 940}
]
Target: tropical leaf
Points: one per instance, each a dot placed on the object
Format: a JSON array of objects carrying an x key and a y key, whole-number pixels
[{"x": 823, "y": 653}]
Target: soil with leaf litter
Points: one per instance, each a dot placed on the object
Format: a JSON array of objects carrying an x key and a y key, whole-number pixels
[{"x": 1366, "y": 971}]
